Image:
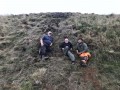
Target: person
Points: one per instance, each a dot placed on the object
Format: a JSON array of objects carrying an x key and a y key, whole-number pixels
[
  {"x": 45, "y": 43},
  {"x": 66, "y": 47},
  {"x": 83, "y": 52}
]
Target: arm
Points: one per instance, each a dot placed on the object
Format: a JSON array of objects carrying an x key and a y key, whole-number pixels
[
  {"x": 71, "y": 46},
  {"x": 51, "y": 44},
  {"x": 51, "y": 41},
  {"x": 77, "y": 52},
  {"x": 61, "y": 46},
  {"x": 41, "y": 41},
  {"x": 77, "y": 49}
]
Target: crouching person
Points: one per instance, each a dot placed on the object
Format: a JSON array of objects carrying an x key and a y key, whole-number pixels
[
  {"x": 66, "y": 47},
  {"x": 82, "y": 51},
  {"x": 45, "y": 43}
]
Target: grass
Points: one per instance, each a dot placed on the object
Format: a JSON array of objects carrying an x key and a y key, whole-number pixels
[
  {"x": 19, "y": 36},
  {"x": 27, "y": 85}
]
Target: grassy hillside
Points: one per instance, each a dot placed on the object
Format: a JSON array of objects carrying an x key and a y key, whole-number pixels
[{"x": 20, "y": 65}]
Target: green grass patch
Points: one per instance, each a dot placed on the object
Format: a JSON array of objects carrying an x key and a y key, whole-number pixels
[{"x": 27, "y": 85}]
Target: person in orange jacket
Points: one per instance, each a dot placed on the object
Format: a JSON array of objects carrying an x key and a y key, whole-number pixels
[{"x": 83, "y": 52}]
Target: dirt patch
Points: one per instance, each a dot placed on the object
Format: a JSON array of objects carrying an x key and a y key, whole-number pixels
[{"x": 90, "y": 76}]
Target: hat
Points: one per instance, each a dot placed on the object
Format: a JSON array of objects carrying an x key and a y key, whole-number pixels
[{"x": 49, "y": 32}]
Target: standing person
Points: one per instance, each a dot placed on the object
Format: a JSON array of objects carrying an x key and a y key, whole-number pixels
[
  {"x": 82, "y": 51},
  {"x": 45, "y": 43},
  {"x": 66, "y": 47}
]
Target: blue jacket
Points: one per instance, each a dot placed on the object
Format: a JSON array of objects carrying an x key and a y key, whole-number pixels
[{"x": 47, "y": 40}]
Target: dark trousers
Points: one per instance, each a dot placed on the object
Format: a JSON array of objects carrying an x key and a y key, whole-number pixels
[{"x": 44, "y": 50}]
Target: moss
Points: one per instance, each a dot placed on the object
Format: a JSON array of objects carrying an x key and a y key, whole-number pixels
[
  {"x": 3, "y": 69},
  {"x": 118, "y": 32},
  {"x": 27, "y": 85},
  {"x": 2, "y": 57},
  {"x": 110, "y": 34}
]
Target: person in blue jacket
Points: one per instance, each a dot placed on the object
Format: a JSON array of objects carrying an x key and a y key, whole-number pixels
[{"x": 45, "y": 42}]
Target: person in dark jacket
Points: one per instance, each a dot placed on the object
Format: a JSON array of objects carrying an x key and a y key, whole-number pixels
[
  {"x": 82, "y": 51},
  {"x": 45, "y": 43},
  {"x": 66, "y": 47}
]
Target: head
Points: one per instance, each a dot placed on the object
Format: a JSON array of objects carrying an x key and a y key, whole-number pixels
[
  {"x": 49, "y": 33},
  {"x": 66, "y": 40},
  {"x": 80, "y": 40}
]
